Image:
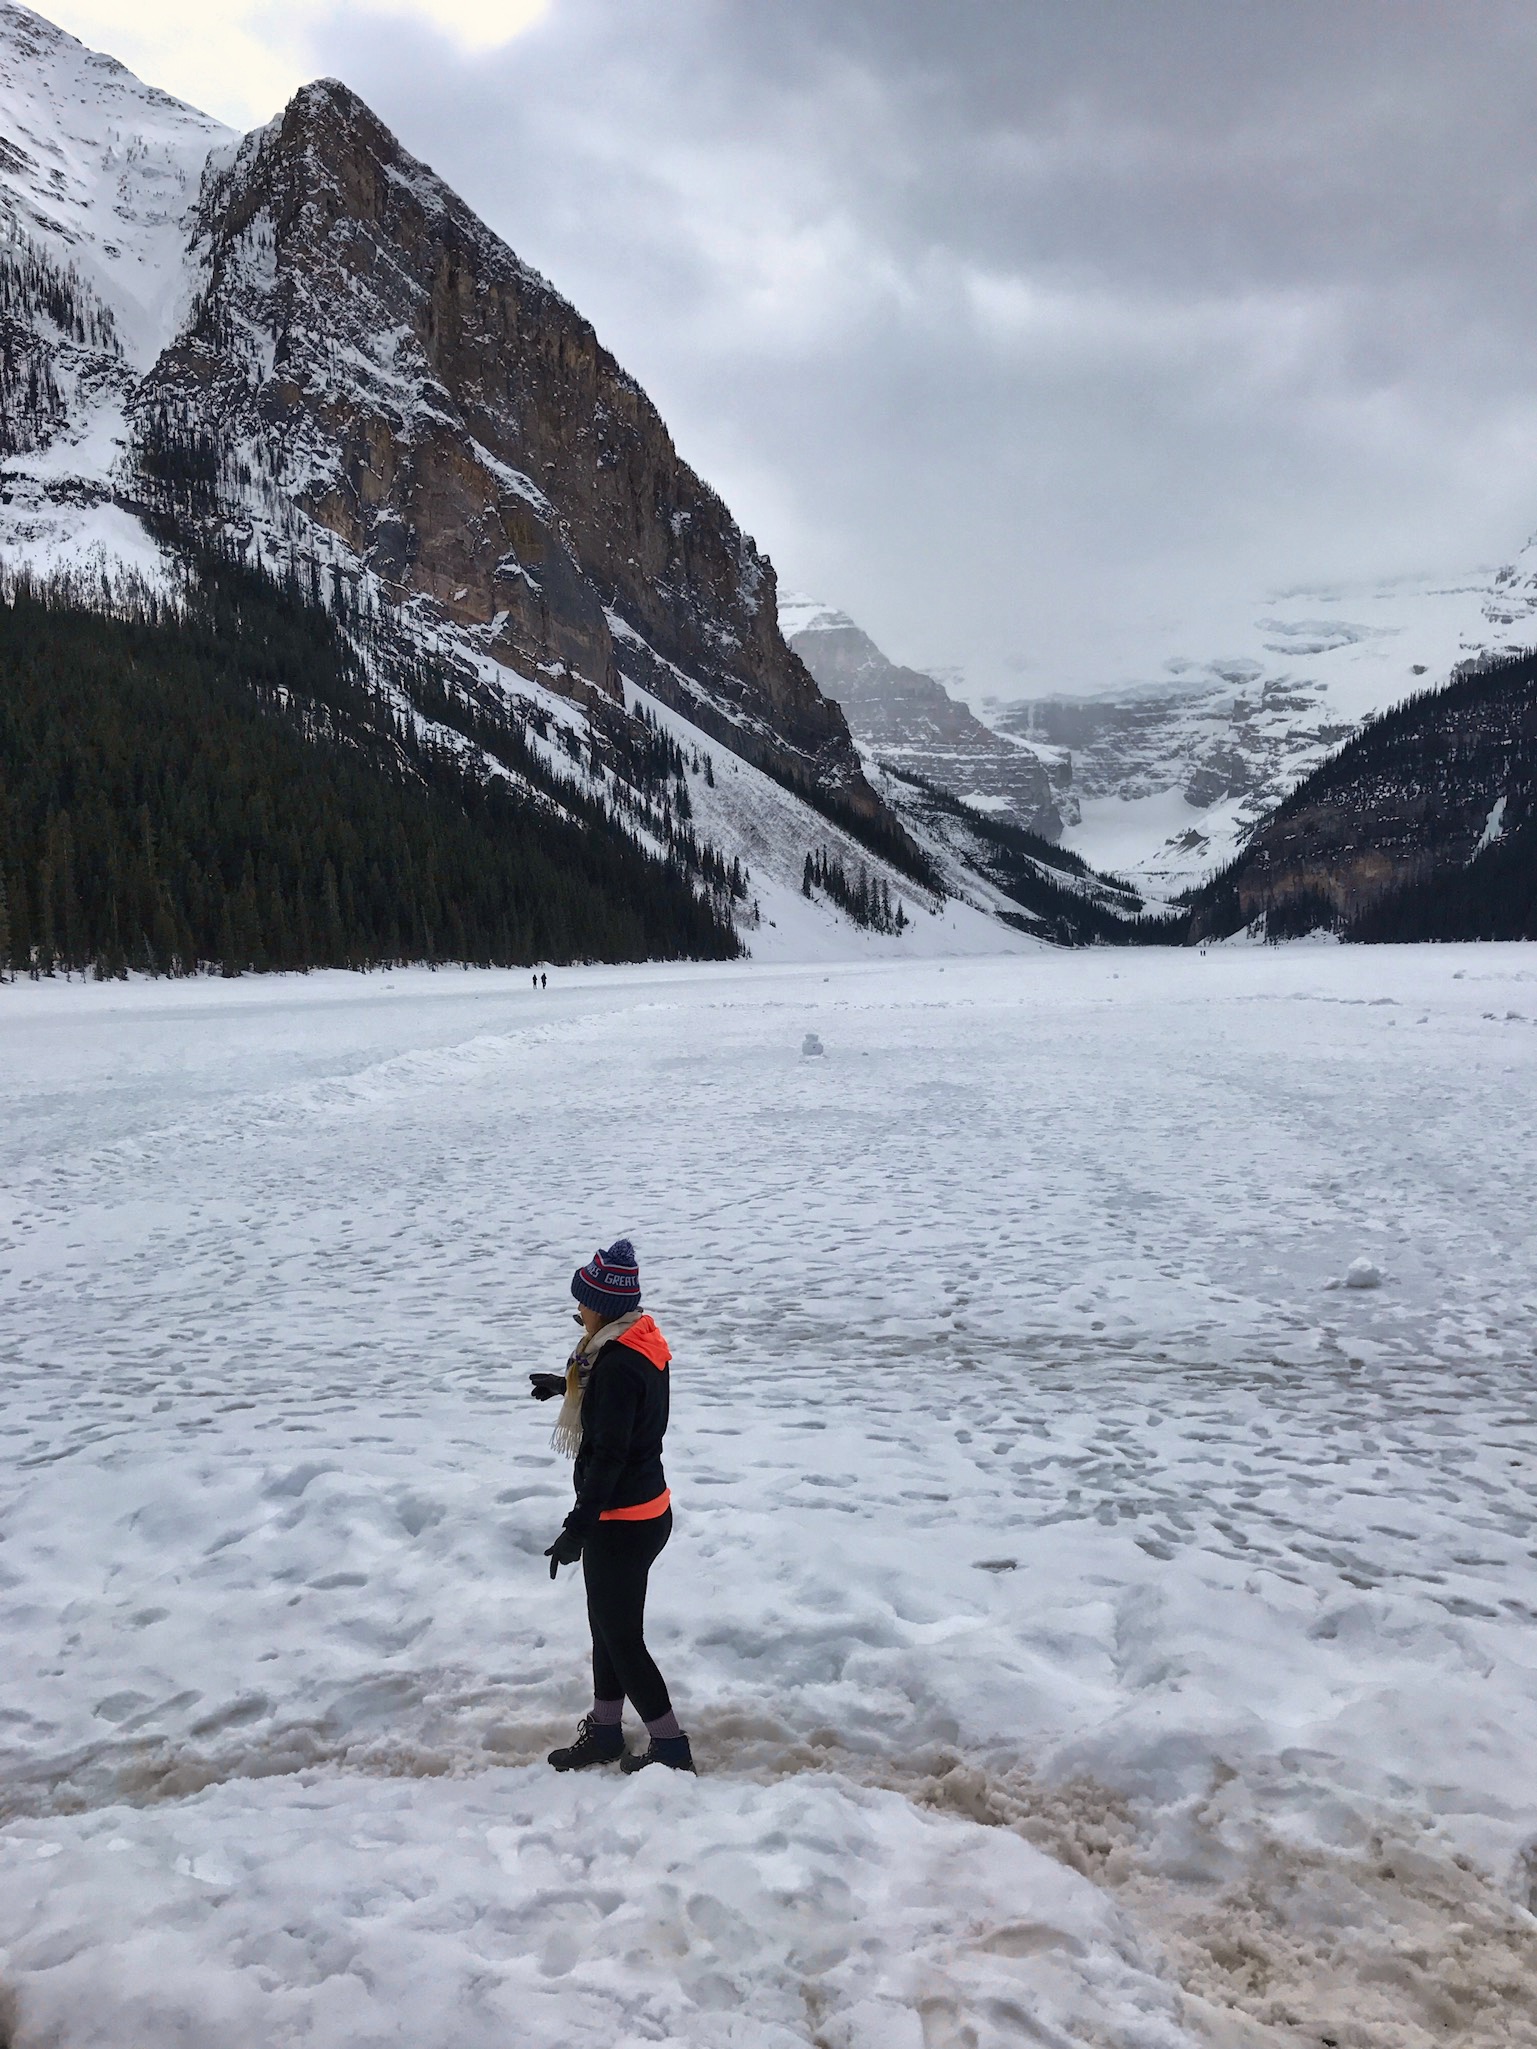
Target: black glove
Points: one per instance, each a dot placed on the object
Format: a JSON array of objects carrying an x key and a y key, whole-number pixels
[
  {"x": 565, "y": 1550},
  {"x": 545, "y": 1386}
]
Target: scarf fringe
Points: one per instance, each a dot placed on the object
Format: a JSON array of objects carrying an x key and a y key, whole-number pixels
[{"x": 567, "y": 1435}]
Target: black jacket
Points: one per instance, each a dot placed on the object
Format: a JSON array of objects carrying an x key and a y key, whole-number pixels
[{"x": 624, "y": 1419}]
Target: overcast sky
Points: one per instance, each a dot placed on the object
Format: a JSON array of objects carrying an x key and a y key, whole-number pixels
[{"x": 1032, "y": 332}]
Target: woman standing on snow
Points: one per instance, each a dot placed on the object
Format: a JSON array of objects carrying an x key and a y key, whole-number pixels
[{"x": 612, "y": 1421}]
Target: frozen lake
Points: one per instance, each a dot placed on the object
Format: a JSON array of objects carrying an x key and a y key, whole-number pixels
[{"x": 1096, "y": 1624}]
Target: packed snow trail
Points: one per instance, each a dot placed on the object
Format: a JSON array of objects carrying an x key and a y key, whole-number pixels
[{"x": 1096, "y": 1623}]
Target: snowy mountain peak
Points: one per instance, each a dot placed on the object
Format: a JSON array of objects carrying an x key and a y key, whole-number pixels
[
  {"x": 800, "y": 614},
  {"x": 100, "y": 171},
  {"x": 911, "y": 723}
]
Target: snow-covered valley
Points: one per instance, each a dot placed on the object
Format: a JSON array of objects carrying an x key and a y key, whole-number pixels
[
  {"x": 1187, "y": 736},
  {"x": 1159, "y": 746},
  {"x": 1097, "y": 1625}
]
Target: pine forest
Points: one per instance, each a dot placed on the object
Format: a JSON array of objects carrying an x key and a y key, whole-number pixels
[{"x": 216, "y": 785}]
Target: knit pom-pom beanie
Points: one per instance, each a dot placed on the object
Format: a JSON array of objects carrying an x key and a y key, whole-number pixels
[{"x": 610, "y": 1281}]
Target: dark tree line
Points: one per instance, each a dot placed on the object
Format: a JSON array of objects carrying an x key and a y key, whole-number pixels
[
  {"x": 219, "y": 785},
  {"x": 865, "y": 900},
  {"x": 1493, "y": 897}
]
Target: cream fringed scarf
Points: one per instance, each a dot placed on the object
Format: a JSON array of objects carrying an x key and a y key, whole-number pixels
[{"x": 567, "y": 1434}]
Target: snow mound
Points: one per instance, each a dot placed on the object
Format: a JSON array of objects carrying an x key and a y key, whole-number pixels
[
  {"x": 556, "y": 1913},
  {"x": 1363, "y": 1273}
]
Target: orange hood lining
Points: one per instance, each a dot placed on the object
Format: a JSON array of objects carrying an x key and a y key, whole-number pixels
[{"x": 645, "y": 1338}]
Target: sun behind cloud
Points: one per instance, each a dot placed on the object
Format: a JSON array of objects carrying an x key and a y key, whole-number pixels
[
  {"x": 241, "y": 60},
  {"x": 476, "y": 24}
]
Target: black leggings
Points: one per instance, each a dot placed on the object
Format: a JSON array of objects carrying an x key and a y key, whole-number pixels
[{"x": 615, "y": 1562}]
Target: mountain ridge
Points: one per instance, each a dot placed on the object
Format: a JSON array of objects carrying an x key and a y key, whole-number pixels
[
  {"x": 909, "y": 721},
  {"x": 458, "y": 425}
]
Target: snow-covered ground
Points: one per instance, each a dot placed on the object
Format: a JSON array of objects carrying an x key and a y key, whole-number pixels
[{"x": 1095, "y": 1626}]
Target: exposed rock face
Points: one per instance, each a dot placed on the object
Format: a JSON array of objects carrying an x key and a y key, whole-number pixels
[
  {"x": 911, "y": 721},
  {"x": 368, "y": 350},
  {"x": 1210, "y": 745},
  {"x": 1230, "y": 748}
]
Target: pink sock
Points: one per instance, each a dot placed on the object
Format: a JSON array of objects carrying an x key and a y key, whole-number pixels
[
  {"x": 608, "y": 1714},
  {"x": 664, "y": 1725}
]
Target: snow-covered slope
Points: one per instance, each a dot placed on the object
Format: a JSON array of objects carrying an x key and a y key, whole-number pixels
[
  {"x": 98, "y": 176},
  {"x": 102, "y": 170},
  {"x": 735, "y": 804},
  {"x": 1163, "y": 773}
]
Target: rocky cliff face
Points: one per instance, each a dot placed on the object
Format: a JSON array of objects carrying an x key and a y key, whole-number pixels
[
  {"x": 1227, "y": 740},
  {"x": 361, "y": 346},
  {"x": 911, "y": 721}
]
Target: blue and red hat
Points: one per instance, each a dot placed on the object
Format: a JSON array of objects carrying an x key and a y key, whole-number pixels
[{"x": 610, "y": 1281}]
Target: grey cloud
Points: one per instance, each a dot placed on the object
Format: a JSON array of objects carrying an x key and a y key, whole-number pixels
[{"x": 994, "y": 321}]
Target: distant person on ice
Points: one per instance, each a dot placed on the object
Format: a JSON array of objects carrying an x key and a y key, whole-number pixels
[{"x": 612, "y": 1421}]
